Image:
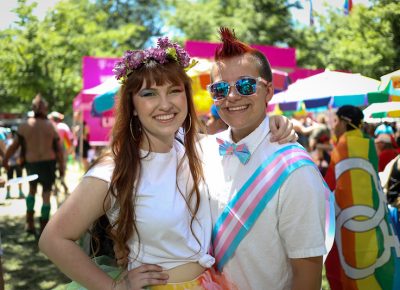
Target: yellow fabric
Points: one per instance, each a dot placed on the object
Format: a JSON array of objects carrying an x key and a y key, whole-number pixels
[
  {"x": 192, "y": 285},
  {"x": 368, "y": 283},
  {"x": 361, "y": 182}
]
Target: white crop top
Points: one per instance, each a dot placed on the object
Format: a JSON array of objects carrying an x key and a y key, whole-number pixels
[{"x": 162, "y": 217}]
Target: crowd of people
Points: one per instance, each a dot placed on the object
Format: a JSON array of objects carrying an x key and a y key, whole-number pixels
[{"x": 241, "y": 207}]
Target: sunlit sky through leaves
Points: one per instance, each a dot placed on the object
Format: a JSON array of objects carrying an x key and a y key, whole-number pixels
[{"x": 301, "y": 16}]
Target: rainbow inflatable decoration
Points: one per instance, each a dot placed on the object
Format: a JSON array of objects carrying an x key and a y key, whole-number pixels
[{"x": 366, "y": 251}]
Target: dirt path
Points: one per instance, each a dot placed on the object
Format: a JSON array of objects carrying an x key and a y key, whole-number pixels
[{"x": 24, "y": 267}]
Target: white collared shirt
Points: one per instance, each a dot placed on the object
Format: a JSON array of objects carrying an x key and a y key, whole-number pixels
[{"x": 291, "y": 225}]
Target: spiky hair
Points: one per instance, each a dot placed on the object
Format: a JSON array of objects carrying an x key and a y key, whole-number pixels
[{"x": 232, "y": 47}]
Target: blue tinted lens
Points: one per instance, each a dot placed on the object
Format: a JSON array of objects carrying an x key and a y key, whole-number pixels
[
  {"x": 219, "y": 90},
  {"x": 246, "y": 86}
]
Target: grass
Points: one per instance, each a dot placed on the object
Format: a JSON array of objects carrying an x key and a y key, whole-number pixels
[
  {"x": 325, "y": 284},
  {"x": 24, "y": 267}
]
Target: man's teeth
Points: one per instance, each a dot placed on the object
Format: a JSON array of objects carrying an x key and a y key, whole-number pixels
[
  {"x": 237, "y": 108},
  {"x": 164, "y": 117}
]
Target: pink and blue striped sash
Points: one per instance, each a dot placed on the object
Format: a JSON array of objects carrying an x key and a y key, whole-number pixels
[{"x": 242, "y": 211}]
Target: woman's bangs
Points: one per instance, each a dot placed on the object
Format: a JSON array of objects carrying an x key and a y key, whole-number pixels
[{"x": 165, "y": 73}]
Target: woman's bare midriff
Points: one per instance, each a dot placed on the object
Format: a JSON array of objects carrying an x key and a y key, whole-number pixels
[{"x": 185, "y": 272}]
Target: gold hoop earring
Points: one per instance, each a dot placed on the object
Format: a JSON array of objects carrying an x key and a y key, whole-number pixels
[
  {"x": 190, "y": 124},
  {"x": 131, "y": 129}
]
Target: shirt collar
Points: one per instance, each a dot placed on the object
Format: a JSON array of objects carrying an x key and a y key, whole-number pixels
[{"x": 253, "y": 139}]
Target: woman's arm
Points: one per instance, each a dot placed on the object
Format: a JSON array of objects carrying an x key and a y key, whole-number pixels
[{"x": 71, "y": 220}]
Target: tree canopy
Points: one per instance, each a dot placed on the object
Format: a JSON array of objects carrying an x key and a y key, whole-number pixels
[
  {"x": 257, "y": 22},
  {"x": 45, "y": 55},
  {"x": 366, "y": 41}
]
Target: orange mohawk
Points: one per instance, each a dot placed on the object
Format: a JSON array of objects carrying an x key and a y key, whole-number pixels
[{"x": 231, "y": 46}]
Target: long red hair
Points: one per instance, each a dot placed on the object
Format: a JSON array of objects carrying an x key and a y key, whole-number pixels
[{"x": 125, "y": 148}]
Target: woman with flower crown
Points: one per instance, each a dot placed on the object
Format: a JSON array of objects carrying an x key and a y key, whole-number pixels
[{"x": 150, "y": 185}]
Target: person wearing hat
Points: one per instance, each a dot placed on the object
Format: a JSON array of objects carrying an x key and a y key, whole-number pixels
[
  {"x": 66, "y": 138},
  {"x": 365, "y": 252},
  {"x": 383, "y": 129},
  {"x": 386, "y": 151}
]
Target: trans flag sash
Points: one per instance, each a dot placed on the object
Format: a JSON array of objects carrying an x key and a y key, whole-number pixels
[
  {"x": 238, "y": 216},
  {"x": 366, "y": 251}
]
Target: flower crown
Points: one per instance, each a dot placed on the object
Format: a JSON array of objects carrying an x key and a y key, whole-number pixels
[{"x": 164, "y": 52}]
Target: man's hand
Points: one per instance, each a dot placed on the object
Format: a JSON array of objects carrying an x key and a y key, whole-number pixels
[{"x": 282, "y": 130}]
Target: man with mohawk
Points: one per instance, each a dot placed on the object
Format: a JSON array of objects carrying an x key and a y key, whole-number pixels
[{"x": 270, "y": 207}]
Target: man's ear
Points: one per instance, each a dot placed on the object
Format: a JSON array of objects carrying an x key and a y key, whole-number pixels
[
  {"x": 214, "y": 71},
  {"x": 269, "y": 90}
]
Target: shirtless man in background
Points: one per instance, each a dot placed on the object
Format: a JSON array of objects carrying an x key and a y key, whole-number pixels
[{"x": 41, "y": 149}]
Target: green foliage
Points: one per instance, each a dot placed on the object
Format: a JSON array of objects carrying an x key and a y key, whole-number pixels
[
  {"x": 258, "y": 22},
  {"x": 196, "y": 20},
  {"x": 144, "y": 13},
  {"x": 45, "y": 56},
  {"x": 367, "y": 41}
]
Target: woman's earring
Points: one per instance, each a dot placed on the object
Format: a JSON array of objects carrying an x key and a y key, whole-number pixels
[
  {"x": 190, "y": 124},
  {"x": 131, "y": 129}
]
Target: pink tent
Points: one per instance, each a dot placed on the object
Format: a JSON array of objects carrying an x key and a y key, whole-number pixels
[{"x": 97, "y": 78}]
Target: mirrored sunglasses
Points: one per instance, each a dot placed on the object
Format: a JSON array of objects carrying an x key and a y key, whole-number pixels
[{"x": 245, "y": 86}]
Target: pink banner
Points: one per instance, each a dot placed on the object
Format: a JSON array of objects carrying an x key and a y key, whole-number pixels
[
  {"x": 278, "y": 57},
  {"x": 302, "y": 73},
  {"x": 96, "y": 70}
]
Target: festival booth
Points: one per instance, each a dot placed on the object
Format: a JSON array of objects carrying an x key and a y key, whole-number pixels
[
  {"x": 389, "y": 89},
  {"x": 381, "y": 111},
  {"x": 324, "y": 90},
  {"x": 385, "y": 103},
  {"x": 97, "y": 78}
]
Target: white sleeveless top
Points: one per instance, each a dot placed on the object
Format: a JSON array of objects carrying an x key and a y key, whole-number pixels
[{"x": 162, "y": 217}]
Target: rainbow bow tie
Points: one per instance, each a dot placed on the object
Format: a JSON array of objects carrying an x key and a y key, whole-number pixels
[{"x": 241, "y": 151}]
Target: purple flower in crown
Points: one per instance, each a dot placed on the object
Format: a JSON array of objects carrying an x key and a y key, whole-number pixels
[
  {"x": 119, "y": 70},
  {"x": 128, "y": 53},
  {"x": 165, "y": 51},
  {"x": 157, "y": 54},
  {"x": 183, "y": 56},
  {"x": 135, "y": 59},
  {"x": 163, "y": 42}
]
